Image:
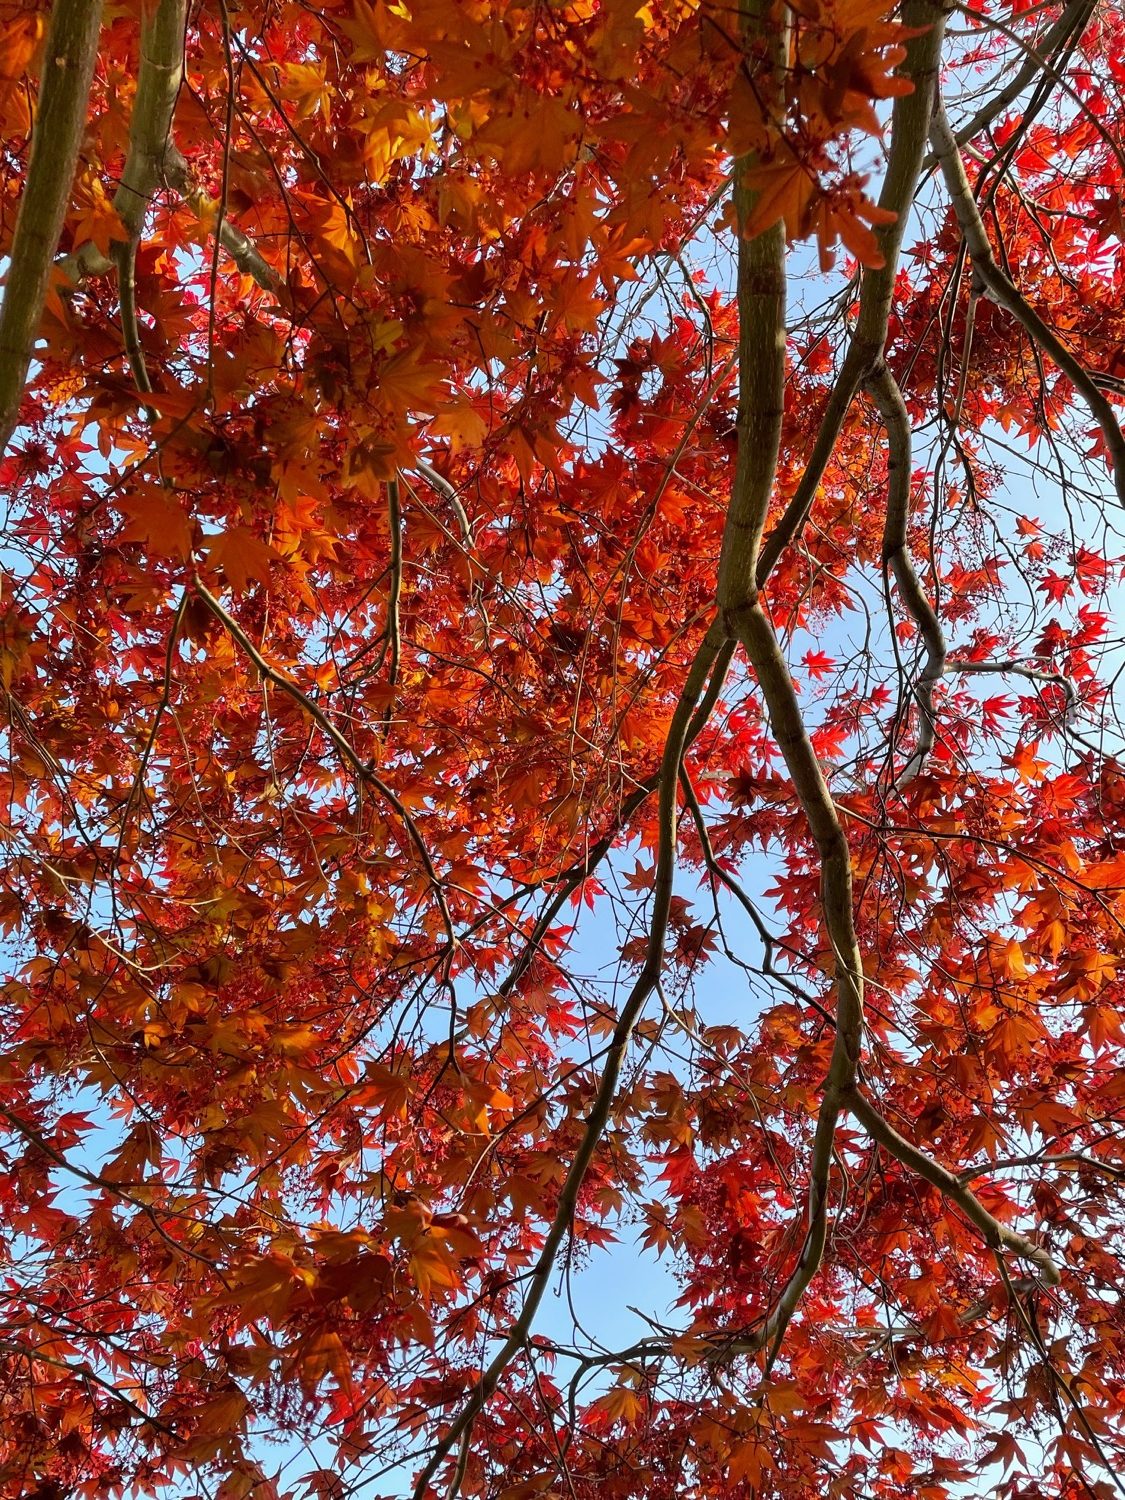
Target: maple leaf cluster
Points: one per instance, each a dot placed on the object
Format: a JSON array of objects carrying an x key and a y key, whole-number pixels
[{"x": 438, "y": 536}]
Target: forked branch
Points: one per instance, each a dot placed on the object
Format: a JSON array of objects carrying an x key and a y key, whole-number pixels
[
  {"x": 1062, "y": 34},
  {"x": 745, "y": 564},
  {"x": 153, "y": 161},
  {"x": 150, "y": 125}
]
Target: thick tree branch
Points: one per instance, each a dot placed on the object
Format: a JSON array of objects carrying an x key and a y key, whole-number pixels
[
  {"x": 761, "y": 310},
  {"x": 757, "y": 637},
  {"x": 150, "y": 126},
  {"x": 745, "y": 564},
  {"x": 68, "y": 69}
]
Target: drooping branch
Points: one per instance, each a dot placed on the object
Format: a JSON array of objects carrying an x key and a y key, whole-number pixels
[
  {"x": 1007, "y": 295},
  {"x": 998, "y": 1236},
  {"x": 394, "y": 597},
  {"x": 449, "y": 495},
  {"x": 761, "y": 645},
  {"x": 68, "y": 69},
  {"x": 1061, "y": 1383},
  {"x": 735, "y": 888}
]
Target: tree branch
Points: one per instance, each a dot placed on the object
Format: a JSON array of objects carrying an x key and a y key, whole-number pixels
[
  {"x": 239, "y": 246},
  {"x": 1074, "y": 1159},
  {"x": 569, "y": 881},
  {"x": 1068, "y": 27},
  {"x": 150, "y": 125},
  {"x": 153, "y": 161},
  {"x": 598, "y": 1117},
  {"x": 761, "y": 293},
  {"x": 997, "y": 1236},
  {"x": 365, "y": 772},
  {"x": 1015, "y": 668},
  {"x": 728, "y": 882},
  {"x": 884, "y": 391},
  {"x": 910, "y": 122},
  {"x": 68, "y": 70},
  {"x": 449, "y": 494},
  {"x": 1006, "y": 294},
  {"x": 745, "y": 564}
]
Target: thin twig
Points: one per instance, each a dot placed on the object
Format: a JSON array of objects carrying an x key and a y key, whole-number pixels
[{"x": 363, "y": 770}]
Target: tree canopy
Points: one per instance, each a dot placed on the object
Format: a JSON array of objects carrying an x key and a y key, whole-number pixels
[{"x": 482, "y": 476}]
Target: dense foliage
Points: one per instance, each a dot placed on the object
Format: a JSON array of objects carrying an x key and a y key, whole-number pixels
[{"x": 485, "y": 475}]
